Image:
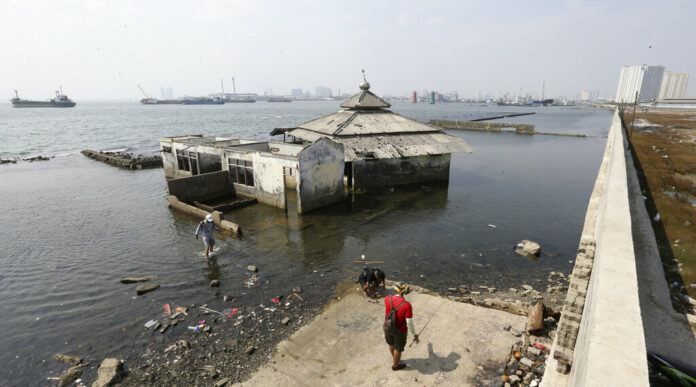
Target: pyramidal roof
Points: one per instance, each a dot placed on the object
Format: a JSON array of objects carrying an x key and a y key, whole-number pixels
[{"x": 365, "y": 99}]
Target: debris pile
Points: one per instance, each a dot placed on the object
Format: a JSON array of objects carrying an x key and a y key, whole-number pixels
[{"x": 125, "y": 160}]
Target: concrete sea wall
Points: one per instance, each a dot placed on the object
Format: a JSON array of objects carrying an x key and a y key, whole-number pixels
[{"x": 600, "y": 338}]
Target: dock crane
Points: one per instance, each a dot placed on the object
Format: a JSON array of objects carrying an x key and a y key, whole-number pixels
[{"x": 147, "y": 100}]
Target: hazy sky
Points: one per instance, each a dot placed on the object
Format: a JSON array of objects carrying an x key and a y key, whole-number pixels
[{"x": 103, "y": 49}]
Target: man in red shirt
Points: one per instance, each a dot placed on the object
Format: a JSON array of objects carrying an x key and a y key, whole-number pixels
[{"x": 404, "y": 322}]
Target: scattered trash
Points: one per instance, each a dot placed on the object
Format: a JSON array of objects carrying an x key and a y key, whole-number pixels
[
  {"x": 298, "y": 296},
  {"x": 285, "y": 321},
  {"x": 253, "y": 281},
  {"x": 657, "y": 217},
  {"x": 211, "y": 310},
  {"x": 150, "y": 323},
  {"x": 195, "y": 329},
  {"x": 252, "y": 268},
  {"x": 362, "y": 257},
  {"x": 541, "y": 346},
  {"x": 229, "y": 313},
  {"x": 202, "y": 322},
  {"x": 693, "y": 285},
  {"x": 645, "y": 197},
  {"x": 182, "y": 310},
  {"x": 491, "y": 225},
  {"x": 167, "y": 309},
  {"x": 275, "y": 301},
  {"x": 675, "y": 284},
  {"x": 215, "y": 283},
  {"x": 170, "y": 348}
]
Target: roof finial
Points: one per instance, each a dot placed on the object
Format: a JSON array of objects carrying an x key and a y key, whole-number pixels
[{"x": 365, "y": 85}]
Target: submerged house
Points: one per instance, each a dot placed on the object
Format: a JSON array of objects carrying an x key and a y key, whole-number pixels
[
  {"x": 381, "y": 148},
  {"x": 211, "y": 173}
]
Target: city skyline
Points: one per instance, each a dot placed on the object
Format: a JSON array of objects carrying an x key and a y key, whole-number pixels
[{"x": 102, "y": 50}]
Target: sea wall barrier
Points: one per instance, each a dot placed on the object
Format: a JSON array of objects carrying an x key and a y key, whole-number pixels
[
  {"x": 495, "y": 127},
  {"x": 600, "y": 337},
  {"x": 121, "y": 161},
  {"x": 225, "y": 225}
]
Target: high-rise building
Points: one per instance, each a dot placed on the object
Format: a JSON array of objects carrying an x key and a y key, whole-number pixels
[
  {"x": 585, "y": 96},
  {"x": 323, "y": 91},
  {"x": 296, "y": 92},
  {"x": 673, "y": 85},
  {"x": 170, "y": 93},
  {"x": 644, "y": 80},
  {"x": 163, "y": 93}
]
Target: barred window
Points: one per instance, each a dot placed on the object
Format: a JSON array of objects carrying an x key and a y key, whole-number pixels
[{"x": 187, "y": 161}]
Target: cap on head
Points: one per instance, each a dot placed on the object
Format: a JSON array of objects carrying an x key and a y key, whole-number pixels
[
  {"x": 209, "y": 218},
  {"x": 401, "y": 288}
]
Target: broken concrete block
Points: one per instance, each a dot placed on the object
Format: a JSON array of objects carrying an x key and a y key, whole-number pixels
[
  {"x": 526, "y": 362},
  {"x": 252, "y": 268},
  {"x": 69, "y": 377},
  {"x": 528, "y": 248},
  {"x": 142, "y": 289},
  {"x": 110, "y": 372},
  {"x": 132, "y": 280},
  {"x": 285, "y": 321},
  {"x": 214, "y": 283},
  {"x": 67, "y": 358},
  {"x": 535, "y": 318}
]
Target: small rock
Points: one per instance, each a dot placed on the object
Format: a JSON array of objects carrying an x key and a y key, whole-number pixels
[
  {"x": 250, "y": 349},
  {"x": 206, "y": 329},
  {"x": 528, "y": 378},
  {"x": 67, "y": 358},
  {"x": 507, "y": 327},
  {"x": 142, "y": 289},
  {"x": 69, "y": 377},
  {"x": 491, "y": 290},
  {"x": 527, "y": 287},
  {"x": 214, "y": 283},
  {"x": 228, "y": 298},
  {"x": 285, "y": 321},
  {"x": 512, "y": 290},
  {"x": 110, "y": 372},
  {"x": 222, "y": 382},
  {"x": 212, "y": 372},
  {"x": 526, "y": 362},
  {"x": 514, "y": 379},
  {"x": 475, "y": 293},
  {"x": 452, "y": 290},
  {"x": 252, "y": 268},
  {"x": 515, "y": 332}
]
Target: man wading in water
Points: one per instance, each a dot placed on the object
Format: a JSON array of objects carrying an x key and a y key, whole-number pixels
[
  {"x": 207, "y": 228},
  {"x": 396, "y": 325}
]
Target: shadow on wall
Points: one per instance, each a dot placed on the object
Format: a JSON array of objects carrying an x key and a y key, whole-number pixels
[{"x": 434, "y": 363}]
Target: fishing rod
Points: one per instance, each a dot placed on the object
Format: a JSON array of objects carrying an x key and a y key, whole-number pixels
[{"x": 426, "y": 323}]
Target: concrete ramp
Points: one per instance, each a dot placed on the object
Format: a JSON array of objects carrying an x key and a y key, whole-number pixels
[{"x": 344, "y": 346}]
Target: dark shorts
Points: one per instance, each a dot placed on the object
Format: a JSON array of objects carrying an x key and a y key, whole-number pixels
[
  {"x": 209, "y": 242},
  {"x": 398, "y": 340}
]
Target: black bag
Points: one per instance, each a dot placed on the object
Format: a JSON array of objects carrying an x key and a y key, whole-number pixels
[{"x": 390, "y": 321}]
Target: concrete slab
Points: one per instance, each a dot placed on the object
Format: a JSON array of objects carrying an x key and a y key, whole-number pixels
[{"x": 344, "y": 346}]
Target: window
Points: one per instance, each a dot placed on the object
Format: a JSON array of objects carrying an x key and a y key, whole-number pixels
[
  {"x": 187, "y": 161},
  {"x": 288, "y": 171},
  {"x": 241, "y": 171}
]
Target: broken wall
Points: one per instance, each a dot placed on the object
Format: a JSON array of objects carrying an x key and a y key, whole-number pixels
[
  {"x": 320, "y": 175},
  {"x": 374, "y": 173},
  {"x": 201, "y": 187}
]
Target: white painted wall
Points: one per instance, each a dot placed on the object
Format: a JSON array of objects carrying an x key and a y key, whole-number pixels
[{"x": 673, "y": 85}]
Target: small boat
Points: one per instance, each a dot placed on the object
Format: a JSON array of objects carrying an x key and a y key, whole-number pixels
[{"x": 60, "y": 101}]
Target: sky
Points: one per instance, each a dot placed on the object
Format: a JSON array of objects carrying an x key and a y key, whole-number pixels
[{"x": 104, "y": 49}]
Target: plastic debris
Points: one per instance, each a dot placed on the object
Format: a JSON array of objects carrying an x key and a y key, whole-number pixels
[
  {"x": 195, "y": 329},
  {"x": 150, "y": 323},
  {"x": 657, "y": 217},
  {"x": 167, "y": 309},
  {"x": 275, "y": 301},
  {"x": 541, "y": 346},
  {"x": 491, "y": 225},
  {"x": 229, "y": 313}
]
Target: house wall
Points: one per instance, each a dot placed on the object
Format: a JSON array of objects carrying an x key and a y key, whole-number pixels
[
  {"x": 209, "y": 158},
  {"x": 201, "y": 187},
  {"x": 390, "y": 172},
  {"x": 319, "y": 175}
]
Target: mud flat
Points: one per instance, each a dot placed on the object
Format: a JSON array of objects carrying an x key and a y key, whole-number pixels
[{"x": 664, "y": 146}]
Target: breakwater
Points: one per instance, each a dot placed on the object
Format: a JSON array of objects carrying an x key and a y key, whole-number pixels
[{"x": 124, "y": 160}]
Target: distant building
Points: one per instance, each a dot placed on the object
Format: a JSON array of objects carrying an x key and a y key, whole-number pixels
[
  {"x": 296, "y": 92},
  {"x": 673, "y": 85},
  {"x": 644, "y": 80},
  {"x": 170, "y": 93},
  {"x": 163, "y": 93},
  {"x": 585, "y": 96},
  {"x": 323, "y": 91}
]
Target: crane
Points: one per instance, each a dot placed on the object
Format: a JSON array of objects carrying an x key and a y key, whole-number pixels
[{"x": 144, "y": 93}]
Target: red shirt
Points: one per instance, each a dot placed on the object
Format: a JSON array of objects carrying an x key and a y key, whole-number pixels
[{"x": 402, "y": 314}]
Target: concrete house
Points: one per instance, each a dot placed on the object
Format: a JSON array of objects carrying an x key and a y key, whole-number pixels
[
  {"x": 212, "y": 172},
  {"x": 382, "y": 148}
]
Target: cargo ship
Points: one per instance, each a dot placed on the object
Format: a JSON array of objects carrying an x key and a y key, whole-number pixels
[
  {"x": 203, "y": 101},
  {"x": 155, "y": 101},
  {"x": 60, "y": 101}
]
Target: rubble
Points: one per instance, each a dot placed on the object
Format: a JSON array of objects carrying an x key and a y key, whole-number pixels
[
  {"x": 110, "y": 372},
  {"x": 142, "y": 289},
  {"x": 67, "y": 358}
]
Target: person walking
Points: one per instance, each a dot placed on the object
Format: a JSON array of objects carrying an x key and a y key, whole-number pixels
[
  {"x": 403, "y": 314},
  {"x": 207, "y": 227}
]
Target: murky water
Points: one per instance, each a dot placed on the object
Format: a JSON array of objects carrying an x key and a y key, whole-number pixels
[{"x": 71, "y": 227}]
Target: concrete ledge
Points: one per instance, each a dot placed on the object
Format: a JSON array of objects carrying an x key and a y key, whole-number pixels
[
  {"x": 606, "y": 346},
  {"x": 224, "y": 225},
  {"x": 344, "y": 346}
]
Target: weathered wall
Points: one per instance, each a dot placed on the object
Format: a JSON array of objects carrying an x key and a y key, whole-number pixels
[
  {"x": 601, "y": 331},
  {"x": 320, "y": 175},
  {"x": 268, "y": 174},
  {"x": 391, "y": 172},
  {"x": 201, "y": 187},
  {"x": 482, "y": 126}
]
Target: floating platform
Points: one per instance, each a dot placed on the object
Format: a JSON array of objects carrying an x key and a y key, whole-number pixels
[{"x": 124, "y": 162}]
